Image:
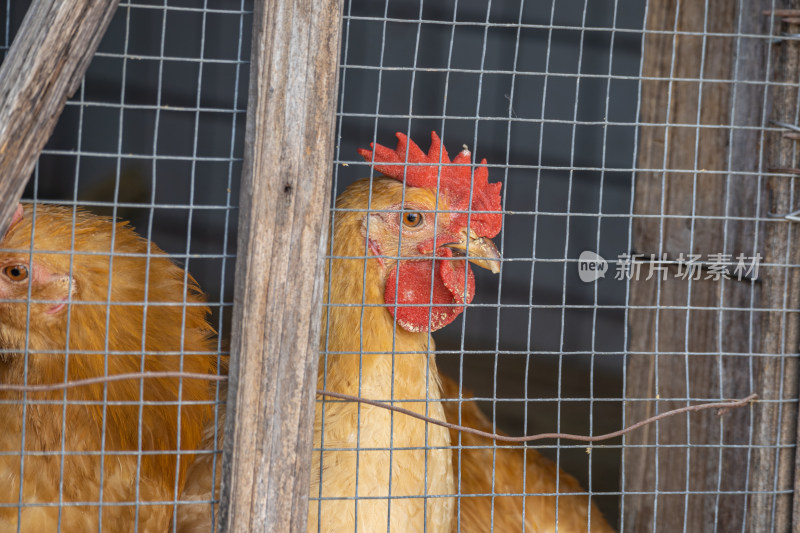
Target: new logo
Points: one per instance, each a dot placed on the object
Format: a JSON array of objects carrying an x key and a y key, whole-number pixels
[{"x": 591, "y": 266}]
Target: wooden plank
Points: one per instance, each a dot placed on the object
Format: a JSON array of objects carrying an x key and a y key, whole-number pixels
[
  {"x": 776, "y": 377},
  {"x": 796, "y": 495},
  {"x": 652, "y": 373},
  {"x": 283, "y": 225},
  {"x": 44, "y": 66}
]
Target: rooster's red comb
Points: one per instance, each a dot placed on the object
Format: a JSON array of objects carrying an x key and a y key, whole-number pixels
[{"x": 454, "y": 181}]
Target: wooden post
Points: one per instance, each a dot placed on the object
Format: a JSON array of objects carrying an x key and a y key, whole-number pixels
[
  {"x": 44, "y": 66},
  {"x": 283, "y": 225},
  {"x": 659, "y": 366},
  {"x": 776, "y": 376}
]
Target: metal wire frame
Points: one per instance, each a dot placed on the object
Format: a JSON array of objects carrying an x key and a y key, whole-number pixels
[
  {"x": 381, "y": 124},
  {"x": 356, "y": 122},
  {"x": 80, "y": 129},
  {"x": 343, "y": 116}
]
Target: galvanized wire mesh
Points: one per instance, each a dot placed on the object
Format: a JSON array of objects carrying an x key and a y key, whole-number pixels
[
  {"x": 551, "y": 95},
  {"x": 545, "y": 94},
  {"x": 555, "y": 97},
  {"x": 153, "y": 136}
]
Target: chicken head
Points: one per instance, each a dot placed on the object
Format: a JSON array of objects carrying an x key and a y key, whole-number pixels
[{"x": 446, "y": 217}]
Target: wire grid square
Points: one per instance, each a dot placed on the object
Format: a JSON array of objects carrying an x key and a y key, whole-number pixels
[{"x": 153, "y": 136}]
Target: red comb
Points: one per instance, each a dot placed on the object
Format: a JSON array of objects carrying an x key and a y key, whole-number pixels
[{"x": 454, "y": 181}]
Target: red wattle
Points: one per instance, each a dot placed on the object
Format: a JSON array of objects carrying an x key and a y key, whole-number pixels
[
  {"x": 413, "y": 286},
  {"x": 452, "y": 275}
]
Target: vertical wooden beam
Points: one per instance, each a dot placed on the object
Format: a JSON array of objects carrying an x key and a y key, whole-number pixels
[
  {"x": 659, "y": 336},
  {"x": 44, "y": 66},
  {"x": 776, "y": 375},
  {"x": 720, "y": 321},
  {"x": 283, "y": 224}
]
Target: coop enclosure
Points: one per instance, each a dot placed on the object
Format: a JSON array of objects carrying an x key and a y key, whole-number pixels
[{"x": 660, "y": 136}]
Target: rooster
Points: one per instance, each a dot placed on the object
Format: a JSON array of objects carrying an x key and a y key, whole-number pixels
[
  {"x": 416, "y": 232},
  {"x": 399, "y": 272},
  {"x": 84, "y": 297}
]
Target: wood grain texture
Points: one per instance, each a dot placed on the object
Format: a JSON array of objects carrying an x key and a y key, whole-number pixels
[
  {"x": 283, "y": 225},
  {"x": 720, "y": 179},
  {"x": 776, "y": 423},
  {"x": 44, "y": 66}
]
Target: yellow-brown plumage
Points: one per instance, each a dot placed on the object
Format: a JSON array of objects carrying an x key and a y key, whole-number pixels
[
  {"x": 541, "y": 476},
  {"x": 347, "y": 332},
  {"x": 367, "y": 353},
  {"x": 113, "y": 332},
  {"x": 357, "y": 286}
]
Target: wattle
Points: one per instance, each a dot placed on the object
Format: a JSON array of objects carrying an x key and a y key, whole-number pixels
[{"x": 411, "y": 284}]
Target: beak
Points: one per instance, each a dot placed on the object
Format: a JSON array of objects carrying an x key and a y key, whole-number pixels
[{"x": 482, "y": 251}]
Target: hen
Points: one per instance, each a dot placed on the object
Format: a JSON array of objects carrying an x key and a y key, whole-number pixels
[
  {"x": 379, "y": 317},
  {"x": 101, "y": 454},
  {"x": 393, "y": 247},
  {"x": 398, "y": 272}
]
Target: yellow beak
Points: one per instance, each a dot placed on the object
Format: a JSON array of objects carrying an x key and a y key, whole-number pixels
[{"x": 480, "y": 251}]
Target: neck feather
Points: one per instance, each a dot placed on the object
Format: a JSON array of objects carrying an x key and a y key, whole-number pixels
[{"x": 362, "y": 341}]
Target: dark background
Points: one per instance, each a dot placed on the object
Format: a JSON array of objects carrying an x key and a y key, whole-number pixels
[{"x": 546, "y": 92}]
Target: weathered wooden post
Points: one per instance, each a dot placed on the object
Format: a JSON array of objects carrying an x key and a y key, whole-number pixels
[{"x": 284, "y": 203}]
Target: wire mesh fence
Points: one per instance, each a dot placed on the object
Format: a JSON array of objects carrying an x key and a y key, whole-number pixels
[
  {"x": 547, "y": 95},
  {"x": 570, "y": 102},
  {"x": 647, "y": 156},
  {"x": 152, "y": 136}
]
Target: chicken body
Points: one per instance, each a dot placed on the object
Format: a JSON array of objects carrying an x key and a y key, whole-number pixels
[
  {"x": 399, "y": 469},
  {"x": 541, "y": 476},
  {"x": 94, "y": 449},
  {"x": 366, "y": 350},
  {"x": 397, "y": 273}
]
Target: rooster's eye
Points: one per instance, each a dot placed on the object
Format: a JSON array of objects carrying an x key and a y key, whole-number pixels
[
  {"x": 16, "y": 272},
  {"x": 412, "y": 220}
]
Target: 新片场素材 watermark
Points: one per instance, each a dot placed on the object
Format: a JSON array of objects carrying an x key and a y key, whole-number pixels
[{"x": 715, "y": 266}]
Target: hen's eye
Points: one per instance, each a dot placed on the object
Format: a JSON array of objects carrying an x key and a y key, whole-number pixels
[
  {"x": 16, "y": 272},
  {"x": 412, "y": 220}
]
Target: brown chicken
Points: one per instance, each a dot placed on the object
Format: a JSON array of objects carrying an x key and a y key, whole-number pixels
[
  {"x": 385, "y": 311},
  {"x": 376, "y": 327},
  {"x": 376, "y": 334},
  {"x": 541, "y": 477},
  {"x": 70, "y": 311}
]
